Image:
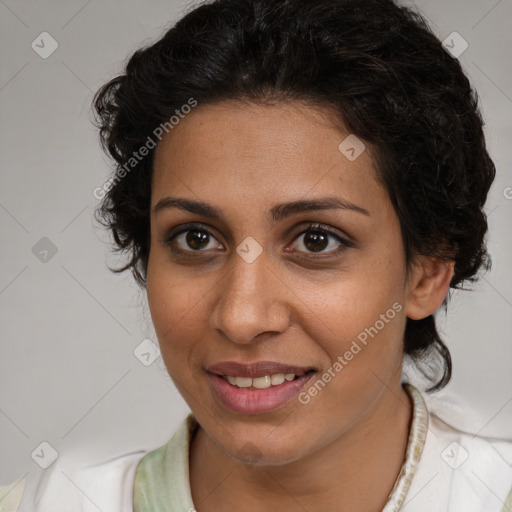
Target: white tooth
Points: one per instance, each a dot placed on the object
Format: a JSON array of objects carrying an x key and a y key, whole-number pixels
[
  {"x": 261, "y": 382},
  {"x": 231, "y": 380},
  {"x": 277, "y": 379},
  {"x": 243, "y": 382},
  {"x": 289, "y": 376}
]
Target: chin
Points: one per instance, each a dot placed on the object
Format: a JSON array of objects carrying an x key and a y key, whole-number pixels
[{"x": 259, "y": 451}]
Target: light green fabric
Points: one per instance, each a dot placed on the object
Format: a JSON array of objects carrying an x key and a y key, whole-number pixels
[
  {"x": 162, "y": 477},
  {"x": 161, "y": 481},
  {"x": 11, "y": 495},
  {"x": 508, "y": 503}
]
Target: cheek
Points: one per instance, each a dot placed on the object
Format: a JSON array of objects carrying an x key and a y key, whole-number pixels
[
  {"x": 359, "y": 335},
  {"x": 354, "y": 314},
  {"x": 359, "y": 313},
  {"x": 171, "y": 293},
  {"x": 177, "y": 311}
]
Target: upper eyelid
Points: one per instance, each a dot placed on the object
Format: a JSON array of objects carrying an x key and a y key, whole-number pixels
[{"x": 188, "y": 226}]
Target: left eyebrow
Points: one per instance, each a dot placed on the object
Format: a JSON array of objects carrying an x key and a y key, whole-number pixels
[
  {"x": 283, "y": 210},
  {"x": 278, "y": 212}
]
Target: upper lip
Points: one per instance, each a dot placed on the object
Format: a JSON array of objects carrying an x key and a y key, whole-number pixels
[{"x": 256, "y": 369}]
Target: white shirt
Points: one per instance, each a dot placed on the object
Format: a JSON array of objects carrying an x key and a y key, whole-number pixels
[{"x": 446, "y": 469}]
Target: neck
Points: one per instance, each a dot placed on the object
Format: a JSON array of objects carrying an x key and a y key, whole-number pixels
[{"x": 356, "y": 471}]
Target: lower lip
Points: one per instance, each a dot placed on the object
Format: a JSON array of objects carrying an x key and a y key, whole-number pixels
[{"x": 252, "y": 400}]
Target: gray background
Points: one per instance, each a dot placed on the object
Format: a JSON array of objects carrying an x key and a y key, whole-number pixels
[{"x": 68, "y": 375}]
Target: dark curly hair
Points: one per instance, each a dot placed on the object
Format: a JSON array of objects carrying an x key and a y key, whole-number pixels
[{"x": 374, "y": 63}]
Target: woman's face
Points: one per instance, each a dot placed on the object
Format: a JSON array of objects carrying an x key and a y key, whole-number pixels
[{"x": 237, "y": 277}]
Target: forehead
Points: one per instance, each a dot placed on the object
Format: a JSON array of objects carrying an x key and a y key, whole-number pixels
[{"x": 254, "y": 154}]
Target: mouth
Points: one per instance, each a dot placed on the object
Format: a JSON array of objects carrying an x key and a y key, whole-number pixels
[{"x": 257, "y": 387}]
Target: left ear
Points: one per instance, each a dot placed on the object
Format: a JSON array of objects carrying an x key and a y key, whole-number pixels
[{"x": 428, "y": 286}]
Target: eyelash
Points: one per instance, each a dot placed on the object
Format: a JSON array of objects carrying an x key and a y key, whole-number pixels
[{"x": 312, "y": 227}]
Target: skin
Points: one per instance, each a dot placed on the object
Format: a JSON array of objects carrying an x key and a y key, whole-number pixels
[{"x": 344, "y": 449}]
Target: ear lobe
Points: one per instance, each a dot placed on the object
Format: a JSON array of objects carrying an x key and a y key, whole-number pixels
[{"x": 429, "y": 287}]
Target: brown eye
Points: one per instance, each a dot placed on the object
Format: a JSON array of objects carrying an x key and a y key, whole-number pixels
[
  {"x": 197, "y": 239},
  {"x": 192, "y": 238},
  {"x": 319, "y": 239},
  {"x": 316, "y": 241}
]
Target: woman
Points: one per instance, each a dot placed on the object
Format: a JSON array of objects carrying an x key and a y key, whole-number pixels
[{"x": 298, "y": 184}]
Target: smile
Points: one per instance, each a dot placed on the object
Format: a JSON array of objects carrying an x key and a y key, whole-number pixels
[{"x": 256, "y": 389}]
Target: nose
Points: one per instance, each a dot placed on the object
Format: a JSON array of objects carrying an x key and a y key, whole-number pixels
[{"x": 251, "y": 300}]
